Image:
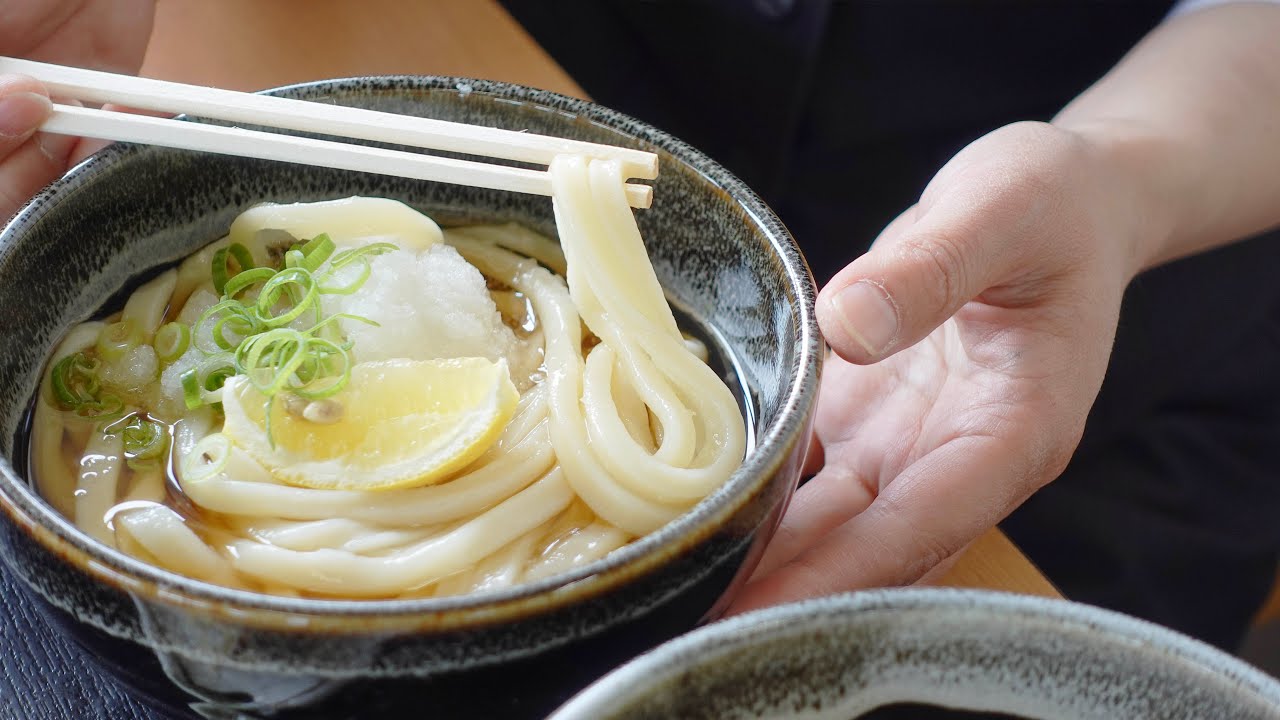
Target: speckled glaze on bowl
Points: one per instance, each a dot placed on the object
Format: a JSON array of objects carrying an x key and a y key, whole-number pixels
[
  {"x": 204, "y": 651},
  {"x": 839, "y": 657}
]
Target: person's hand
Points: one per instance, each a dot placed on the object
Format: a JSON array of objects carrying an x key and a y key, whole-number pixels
[
  {"x": 100, "y": 34},
  {"x": 999, "y": 292}
]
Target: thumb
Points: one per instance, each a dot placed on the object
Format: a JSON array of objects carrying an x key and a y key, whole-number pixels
[
  {"x": 994, "y": 223},
  {"x": 23, "y": 108},
  {"x": 29, "y": 160},
  {"x": 921, "y": 270}
]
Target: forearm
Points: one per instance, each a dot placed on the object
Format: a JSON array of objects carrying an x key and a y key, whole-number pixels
[{"x": 1190, "y": 123}]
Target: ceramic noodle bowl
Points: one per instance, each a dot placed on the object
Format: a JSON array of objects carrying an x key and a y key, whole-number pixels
[
  {"x": 945, "y": 652},
  {"x": 731, "y": 273}
]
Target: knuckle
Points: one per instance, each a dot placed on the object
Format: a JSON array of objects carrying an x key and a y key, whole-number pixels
[
  {"x": 930, "y": 551},
  {"x": 810, "y": 577},
  {"x": 942, "y": 260},
  {"x": 922, "y": 548}
]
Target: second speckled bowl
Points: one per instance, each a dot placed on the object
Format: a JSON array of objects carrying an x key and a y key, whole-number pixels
[
  {"x": 840, "y": 657},
  {"x": 205, "y": 651}
]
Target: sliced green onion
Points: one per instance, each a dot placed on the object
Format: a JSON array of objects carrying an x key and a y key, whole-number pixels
[
  {"x": 74, "y": 381},
  {"x": 317, "y": 250},
  {"x": 295, "y": 284},
  {"x": 117, "y": 339},
  {"x": 348, "y": 256},
  {"x": 268, "y": 360},
  {"x": 200, "y": 384},
  {"x": 171, "y": 341},
  {"x": 351, "y": 286},
  {"x": 241, "y": 326},
  {"x": 326, "y": 371},
  {"x": 145, "y": 441},
  {"x": 328, "y": 326},
  {"x": 191, "y": 389},
  {"x": 246, "y": 279},
  {"x": 76, "y": 388},
  {"x": 286, "y": 360},
  {"x": 214, "y": 371},
  {"x": 221, "y": 273},
  {"x": 226, "y": 315},
  {"x": 208, "y": 458},
  {"x": 253, "y": 337}
]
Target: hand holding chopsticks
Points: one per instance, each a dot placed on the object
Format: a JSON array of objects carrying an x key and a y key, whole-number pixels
[{"x": 299, "y": 115}]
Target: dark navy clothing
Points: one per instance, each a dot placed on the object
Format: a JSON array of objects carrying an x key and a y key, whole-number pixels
[{"x": 838, "y": 113}]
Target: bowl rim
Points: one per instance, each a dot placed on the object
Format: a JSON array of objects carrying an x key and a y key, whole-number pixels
[
  {"x": 659, "y": 666},
  {"x": 24, "y": 508}
]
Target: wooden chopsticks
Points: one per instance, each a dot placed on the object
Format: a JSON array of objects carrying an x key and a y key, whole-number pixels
[{"x": 168, "y": 97}]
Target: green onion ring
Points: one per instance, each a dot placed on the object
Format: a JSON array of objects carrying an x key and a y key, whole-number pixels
[
  {"x": 327, "y": 326},
  {"x": 349, "y": 256},
  {"x": 117, "y": 339},
  {"x": 76, "y": 388},
  {"x": 242, "y": 322},
  {"x": 365, "y": 270},
  {"x": 317, "y": 250},
  {"x": 268, "y": 360},
  {"x": 220, "y": 271},
  {"x": 171, "y": 341},
  {"x": 241, "y": 325},
  {"x": 245, "y": 279},
  {"x": 145, "y": 441},
  {"x": 300, "y": 287},
  {"x": 330, "y": 380},
  {"x": 191, "y": 395},
  {"x": 74, "y": 381},
  {"x": 215, "y": 379},
  {"x": 202, "y": 383},
  {"x": 346, "y": 257},
  {"x": 208, "y": 458}
]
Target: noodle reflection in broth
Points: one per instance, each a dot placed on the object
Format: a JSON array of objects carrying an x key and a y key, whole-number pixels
[{"x": 341, "y": 400}]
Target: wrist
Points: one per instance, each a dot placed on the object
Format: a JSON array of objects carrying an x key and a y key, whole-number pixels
[{"x": 1141, "y": 189}]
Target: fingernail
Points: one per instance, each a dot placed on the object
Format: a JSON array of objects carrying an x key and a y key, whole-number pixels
[
  {"x": 21, "y": 113},
  {"x": 867, "y": 315}
]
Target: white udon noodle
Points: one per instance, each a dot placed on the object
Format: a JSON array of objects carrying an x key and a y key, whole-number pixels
[{"x": 601, "y": 450}]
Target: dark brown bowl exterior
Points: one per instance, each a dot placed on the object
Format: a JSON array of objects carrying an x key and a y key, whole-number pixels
[{"x": 204, "y": 651}]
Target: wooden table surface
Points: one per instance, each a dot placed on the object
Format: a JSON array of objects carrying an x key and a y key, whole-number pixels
[{"x": 255, "y": 44}]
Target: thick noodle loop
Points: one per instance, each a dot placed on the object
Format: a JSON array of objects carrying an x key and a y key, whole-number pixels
[
  {"x": 614, "y": 287},
  {"x": 619, "y": 431}
]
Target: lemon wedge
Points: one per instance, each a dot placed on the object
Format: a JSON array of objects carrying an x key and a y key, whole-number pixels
[{"x": 397, "y": 424}]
